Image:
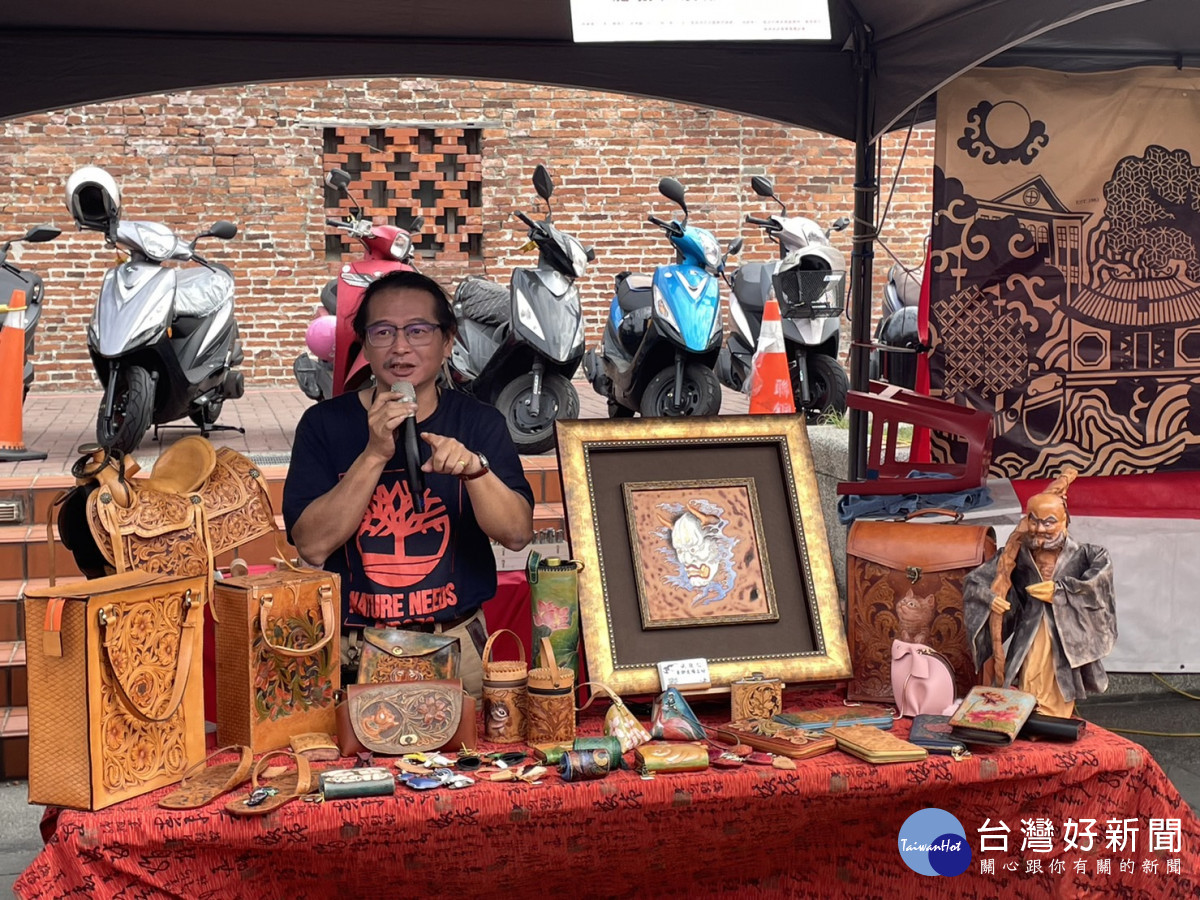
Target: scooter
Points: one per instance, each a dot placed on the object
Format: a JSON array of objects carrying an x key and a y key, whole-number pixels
[
  {"x": 13, "y": 279},
  {"x": 663, "y": 332},
  {"x": 897, "y": 341},
  {"x": 163, "y": 339},
  {"x": 336, "y": 363},
  {"x": 809, "y": 283},
  {"x": 517, "y": 348}
]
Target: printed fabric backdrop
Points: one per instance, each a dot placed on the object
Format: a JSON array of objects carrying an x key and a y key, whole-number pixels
[{"x": 1066, "y": 267}]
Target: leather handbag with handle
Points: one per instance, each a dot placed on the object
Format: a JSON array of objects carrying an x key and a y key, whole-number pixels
[
  {"x": 619, "y": 722},
  {"x": 116, "y": 702},
  {"x": 923, "y": 680},
  {"x": 393, "y": 654},
  {"x": 904, "y": 582},
  {"x": 550, "y": 713},
  {"x": 277, "y": 656},
  {"x": 504, "y": 693},
  {"x": 404, "y": 717}
]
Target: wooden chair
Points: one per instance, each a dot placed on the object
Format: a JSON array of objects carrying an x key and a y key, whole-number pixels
[{"x": 889, "y": 407}]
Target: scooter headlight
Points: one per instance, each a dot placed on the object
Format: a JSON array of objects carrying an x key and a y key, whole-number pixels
[
  {"x": 712, "y": 250},
  {"x": 401, "y": 246},
  {"x": 663, "y": 310},
  {"x": 157, "y": 244},
  {"x": 526, "y": 316},
  {"x": 579, "y": 258}
]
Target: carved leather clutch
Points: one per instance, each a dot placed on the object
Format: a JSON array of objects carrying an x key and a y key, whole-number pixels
[
  {"x": 674, "y": 756},
  {"x": 771, "y": 737},
  {"x": 392, "y": 719},
  {"x": 875, "y": 745}
]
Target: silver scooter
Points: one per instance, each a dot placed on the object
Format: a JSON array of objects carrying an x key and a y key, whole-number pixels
[
  {"x": 162, "y": 338},
  {"x": 809, "y": 281}
]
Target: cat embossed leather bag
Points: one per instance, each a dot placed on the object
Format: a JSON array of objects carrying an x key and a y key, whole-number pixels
[
  {"x": 904, "y": 582},
  {"x": 277, "y": 656},
  {"x": 116, "y": 699}
]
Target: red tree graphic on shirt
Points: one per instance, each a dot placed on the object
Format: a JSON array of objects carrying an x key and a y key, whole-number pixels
[{"x": 400, "y": 546}]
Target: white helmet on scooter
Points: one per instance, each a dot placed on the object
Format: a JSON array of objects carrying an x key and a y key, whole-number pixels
[{"x": 94, "y": 199}]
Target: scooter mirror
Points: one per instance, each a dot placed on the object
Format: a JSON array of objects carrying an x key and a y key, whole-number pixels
[
  {"x": 735, "y": 248},
  {"x": 673, "y": 191},
  {"x": 542, "y": 183},
  {"x": 338, "y": 178},
  {"x": 223, "y": 230},
  {"x": 39, "y": 234},
  {"x": 840, "y": 224},
  {"x": 762, "y": 186}
]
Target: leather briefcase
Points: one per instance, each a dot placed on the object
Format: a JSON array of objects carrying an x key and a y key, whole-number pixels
[
  {"x": 278, "y": 656},
  {"x": 904, "y": 582},
  {"x": 116, "y": 698}
]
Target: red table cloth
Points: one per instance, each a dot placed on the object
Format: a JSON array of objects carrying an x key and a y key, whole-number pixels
[{"x": 830, "y": 828}]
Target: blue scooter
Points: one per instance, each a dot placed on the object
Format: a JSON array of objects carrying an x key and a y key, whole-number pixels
[{"x": 664, "y": 331}]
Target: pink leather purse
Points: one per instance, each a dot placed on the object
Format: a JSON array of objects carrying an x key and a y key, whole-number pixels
[{"x": 922, "y": 680}]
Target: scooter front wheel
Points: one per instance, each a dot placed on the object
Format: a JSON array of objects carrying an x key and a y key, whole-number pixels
[
  {"x": 535, "y": 433},
  {"x": 133, "y": 405},
  {"x": 701, "y": 395},
  {"x": 827, "y": 387}
]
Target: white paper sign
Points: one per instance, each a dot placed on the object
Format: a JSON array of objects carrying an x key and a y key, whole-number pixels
[
  {"x": 683, "y": 673},
  {"x": 700, "y": 20}
]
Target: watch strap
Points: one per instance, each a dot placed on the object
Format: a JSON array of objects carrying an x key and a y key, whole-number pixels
[{"x": 484, "y": 468}]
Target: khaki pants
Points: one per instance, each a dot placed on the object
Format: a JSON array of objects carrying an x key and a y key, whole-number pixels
[{"x": 471, "y": 634}]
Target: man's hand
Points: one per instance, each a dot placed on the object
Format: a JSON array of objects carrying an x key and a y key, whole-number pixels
[
  {"x": 1043, "y": 590},
  {"x": 449, "y": 456},
  {"x": 1000, "y": 606},
  {"x": 386, "y": 414}
]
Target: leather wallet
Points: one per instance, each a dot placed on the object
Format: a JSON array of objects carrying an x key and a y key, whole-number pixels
[
  {"x": 345, "y": 784},
  {"x": 992, "y": 715},
  {"x": 671, "y": 756},
  {"x": 933, "y": 733},
  {"x": 315, "y": 746},
  {"x": 1054, "y": 728},
  {"x": 875, "y": 745},
  {"x": 828, "y": 716},
  {"x": 771, "y": 737}
]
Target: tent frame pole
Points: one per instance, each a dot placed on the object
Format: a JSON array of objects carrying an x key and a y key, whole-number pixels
[{"x": 863, "y": 254}]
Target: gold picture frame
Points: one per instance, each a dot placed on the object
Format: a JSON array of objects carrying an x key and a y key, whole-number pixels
[
  {"x": 598, "y": 457},
  {"x": 699, "y": 554}
]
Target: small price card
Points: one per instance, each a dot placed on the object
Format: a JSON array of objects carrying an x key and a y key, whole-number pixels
[{"x": 684, "y": 673}]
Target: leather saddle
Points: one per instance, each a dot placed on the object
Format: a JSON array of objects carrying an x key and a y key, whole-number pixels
[{"x": 197, "y": 502}]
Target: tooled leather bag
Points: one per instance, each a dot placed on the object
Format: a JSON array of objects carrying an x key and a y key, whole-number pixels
[
  {"x": 116, "y": 699},
  {"x": 922, "y": 679},
  {"x": 393, "y": 654},
  {"x": 402, "y": 717},
  {"x": 277, "y": 656},
  {"x": 904, "y": 582}
]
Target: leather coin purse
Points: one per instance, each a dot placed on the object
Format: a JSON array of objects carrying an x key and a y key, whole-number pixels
[
  {"x": 672, "y": 719},
  {"x": 875, "y": 745},
  {"x": 663, "y": 756}
]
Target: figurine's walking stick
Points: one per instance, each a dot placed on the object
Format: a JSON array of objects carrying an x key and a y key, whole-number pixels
[{"x": 1001, "y": 585}]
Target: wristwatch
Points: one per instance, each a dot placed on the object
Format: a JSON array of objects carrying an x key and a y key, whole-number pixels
[{"x": 484, "y": 468}]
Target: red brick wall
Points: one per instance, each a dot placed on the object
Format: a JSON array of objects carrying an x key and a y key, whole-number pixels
[{"x": 253, "y": 155}]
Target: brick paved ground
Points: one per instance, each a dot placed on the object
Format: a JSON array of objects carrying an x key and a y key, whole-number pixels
[{"x": 57, "y": 422}]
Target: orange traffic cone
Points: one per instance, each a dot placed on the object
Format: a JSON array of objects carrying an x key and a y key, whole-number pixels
[
  {"x": 770, "y": 381},
  {"x": 12, "y": 364}
]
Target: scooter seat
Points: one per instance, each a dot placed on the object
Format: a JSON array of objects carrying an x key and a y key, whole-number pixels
[
  {"x": 482, "y": 301},
  {"x": 633, "y": 291},
  {"x": 201, "y": 292}
]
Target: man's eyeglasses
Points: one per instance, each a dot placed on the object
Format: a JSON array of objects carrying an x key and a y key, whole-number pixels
[{"x": 417, "y": 334}]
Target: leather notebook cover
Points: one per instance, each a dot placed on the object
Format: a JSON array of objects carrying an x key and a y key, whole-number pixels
[
  {"x": 875, "y": 745},
  {"x": 828, "y": 716},
  {"x": 933, "y": 733},
  {"x": 992, "y": 715}
]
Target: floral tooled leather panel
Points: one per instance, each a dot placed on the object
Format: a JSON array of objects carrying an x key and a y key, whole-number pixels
[{"x": 403, "y": 718}]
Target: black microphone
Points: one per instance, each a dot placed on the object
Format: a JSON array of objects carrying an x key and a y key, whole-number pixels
[{"x": 412, "y": 450}]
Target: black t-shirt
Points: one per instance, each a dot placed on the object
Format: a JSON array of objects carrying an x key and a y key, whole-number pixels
[{"x": 403, "y": 566}]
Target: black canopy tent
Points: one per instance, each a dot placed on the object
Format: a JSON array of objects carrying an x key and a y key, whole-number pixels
[{"x": 885, "y": 57}]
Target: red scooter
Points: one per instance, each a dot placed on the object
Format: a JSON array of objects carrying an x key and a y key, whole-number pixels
[{"x": 337, "y": 364}]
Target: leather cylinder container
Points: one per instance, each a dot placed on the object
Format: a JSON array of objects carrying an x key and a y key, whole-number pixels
[{"x": 504, "y": 695}]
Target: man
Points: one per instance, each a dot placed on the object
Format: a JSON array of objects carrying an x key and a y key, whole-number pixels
[
  {"x": 1058, "y": 607},
  {"x": 347, "y": 503}
]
